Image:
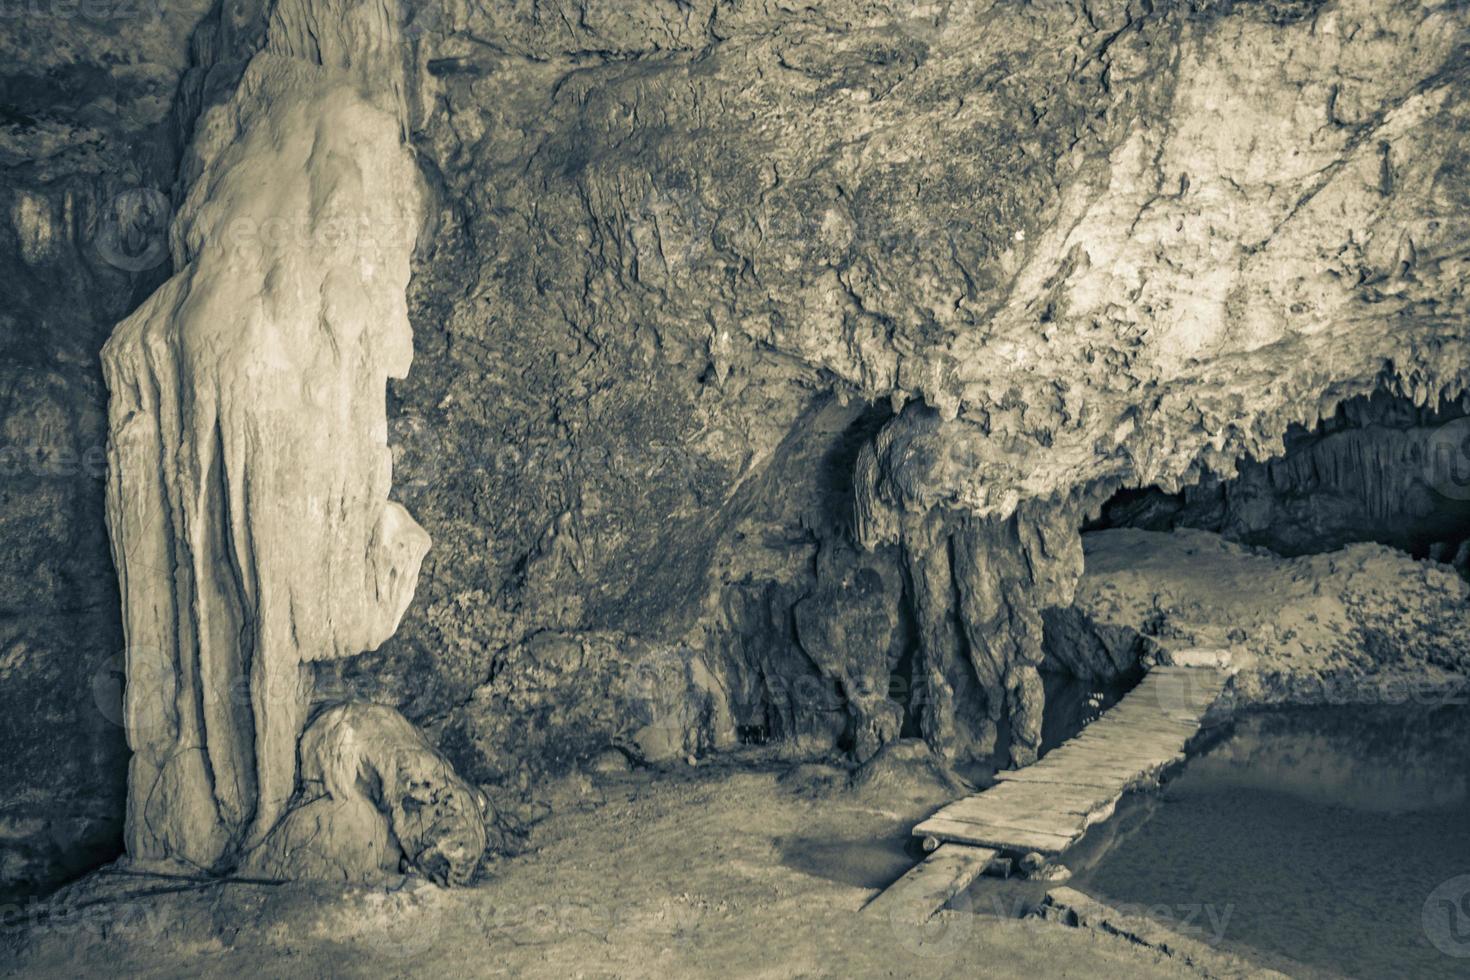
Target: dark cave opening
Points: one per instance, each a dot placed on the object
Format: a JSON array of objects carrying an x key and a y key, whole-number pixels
[
  {"x": 1380, "y": 469},
  {"x": 1073, "y": 702}
]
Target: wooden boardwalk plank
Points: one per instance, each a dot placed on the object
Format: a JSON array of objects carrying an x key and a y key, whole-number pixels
[
  {"x": 1148, "y": 716},
  {"x": 1079, "y": 799},
  {"x": 990, "y": 835},
  {"x": 1049, "y": 805},
  {"x": 1057, "y": 776},
  {"x": 1039, "y": 821},
  {"x": 1083, "y": 764},
  {"x": 1120, "y": 760},
  {"x": 1116, "y": 759},
  {"x": 1023, "y": 807},
  {"x": 915, "y": 897}
]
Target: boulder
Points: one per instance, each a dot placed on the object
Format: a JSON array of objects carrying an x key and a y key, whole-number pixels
[{"x": 374, "y": 790}]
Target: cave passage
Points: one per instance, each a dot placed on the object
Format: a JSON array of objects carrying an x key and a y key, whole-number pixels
[
  {"x": 545, "y": 488},
  {"x": 1380, "y": 469}
]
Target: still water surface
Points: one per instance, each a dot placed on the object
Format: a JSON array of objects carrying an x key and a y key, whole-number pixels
[{"x": 1335, "y": 837}]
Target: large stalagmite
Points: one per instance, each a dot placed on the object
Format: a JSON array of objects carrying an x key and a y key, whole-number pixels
[{"x": 249, "y": 466}]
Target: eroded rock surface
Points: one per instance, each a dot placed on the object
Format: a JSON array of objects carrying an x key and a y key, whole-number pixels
[
  {"x": 686, "y": 260},
  {"x": 1072, "y": 246},
  {"x": 1363, "y": 624}
]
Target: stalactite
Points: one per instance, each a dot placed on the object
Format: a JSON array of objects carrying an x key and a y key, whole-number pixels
[{"x": 1383, "y": 467}]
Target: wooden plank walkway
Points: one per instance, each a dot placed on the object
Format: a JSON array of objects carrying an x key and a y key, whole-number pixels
[
  {"x": 912, "y": 899},
  {"x": 1048, "y": 806}
]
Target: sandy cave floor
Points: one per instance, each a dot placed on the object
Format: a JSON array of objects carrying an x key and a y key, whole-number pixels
[{"x": 725, "y": 870}]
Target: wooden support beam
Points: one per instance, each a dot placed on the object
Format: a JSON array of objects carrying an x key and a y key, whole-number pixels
[
  {"x": 915, "y": 897},
  {"x": 994, "y": 835}
]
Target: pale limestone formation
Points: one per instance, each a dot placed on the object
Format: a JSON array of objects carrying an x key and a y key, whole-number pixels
[
  {"x": 374, "y": 793},
  {"x": 249, "y": 467}
]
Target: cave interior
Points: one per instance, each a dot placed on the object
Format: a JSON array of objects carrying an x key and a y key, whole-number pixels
[{"x": 657, "y": 453}]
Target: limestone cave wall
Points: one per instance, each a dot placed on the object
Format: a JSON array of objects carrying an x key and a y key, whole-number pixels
[
  {"x": 90, "y": 135},
  {"x": 1049, "y": 250}
]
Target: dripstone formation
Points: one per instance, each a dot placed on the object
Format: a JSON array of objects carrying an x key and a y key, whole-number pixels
[{"x": 249, "y": 476}]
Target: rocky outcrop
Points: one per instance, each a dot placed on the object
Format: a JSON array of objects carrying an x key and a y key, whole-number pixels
[
  {"x": 1366, "y": 624},
  {"x": 1071, "y": 246},
  {"x": 375, "y": 795},
  {"x": 249, "y": 469},
  {"x": 1227, "y": 280},
  {"x": 980, "y": 586}
]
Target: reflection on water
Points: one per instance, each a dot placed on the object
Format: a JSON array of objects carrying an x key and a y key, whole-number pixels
[
  {"x": 1382, "y": 763},
  {"x": 1321, "y": 831}
]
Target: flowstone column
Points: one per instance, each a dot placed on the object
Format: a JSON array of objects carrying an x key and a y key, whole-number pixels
[
  {"x": 979, "y": 585},
  {"x": 247, "y": 497}
]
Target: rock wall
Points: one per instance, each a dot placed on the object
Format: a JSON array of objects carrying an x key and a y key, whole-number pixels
[
  {"x": 1071, "y": 246},
  {"x": 685, "y": 261},
  {"x": 88, "y": 151}
]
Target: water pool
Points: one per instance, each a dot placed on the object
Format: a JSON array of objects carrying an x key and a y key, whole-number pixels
[{"x": 1320, "y": 841}]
